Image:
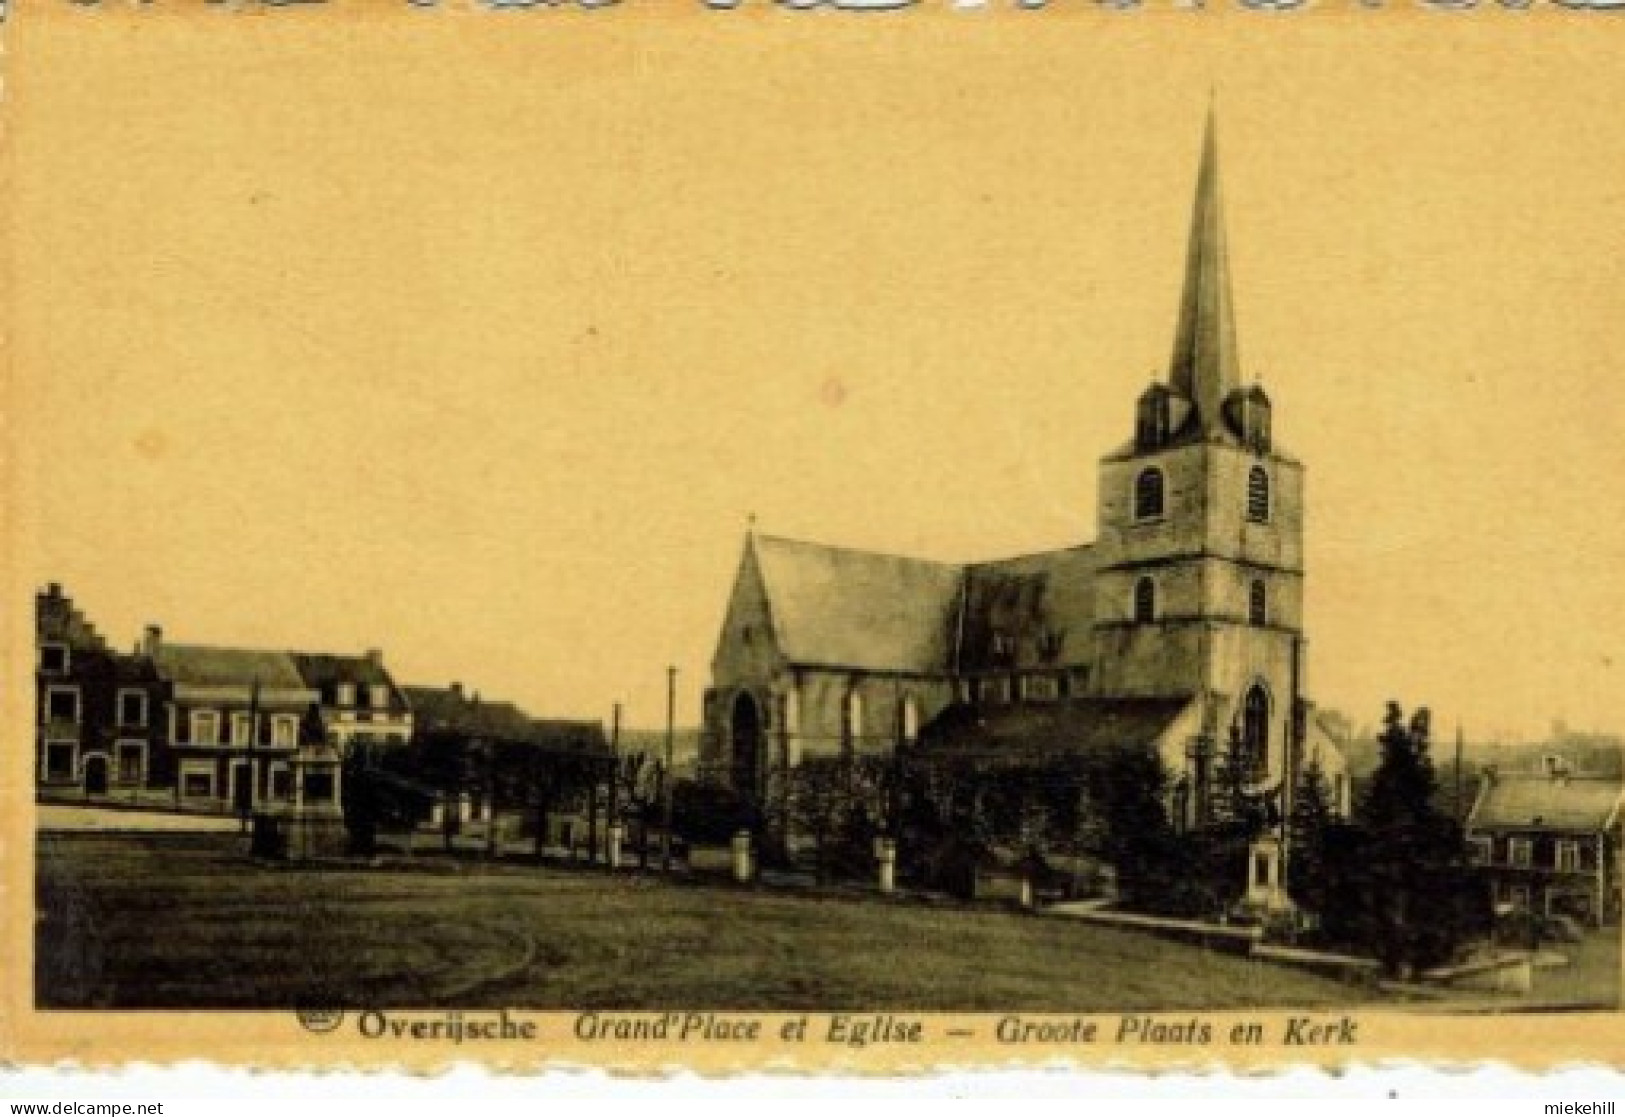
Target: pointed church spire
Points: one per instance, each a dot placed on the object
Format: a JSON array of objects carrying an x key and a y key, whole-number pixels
[{"x": 1204, "y": 365}]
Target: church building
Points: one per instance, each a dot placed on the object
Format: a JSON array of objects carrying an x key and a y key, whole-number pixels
[{"x": 1180, "y": 628}]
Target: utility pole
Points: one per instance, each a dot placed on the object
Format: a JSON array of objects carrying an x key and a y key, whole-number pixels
[
  {"x": 246, "y": 807},
  {"x": 1459, "y": 804},
  {"x": 614, "y": 782},
  {"x": 665, "y": 789}
]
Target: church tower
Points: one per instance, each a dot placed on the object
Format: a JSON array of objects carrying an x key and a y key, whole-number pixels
[{"x": 1200, "y": 580}]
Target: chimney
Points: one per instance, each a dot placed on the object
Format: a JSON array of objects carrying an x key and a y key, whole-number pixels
[
  {"x": 457, "y": 690},
  {"x": 374, "y": 656},
  {"x": 152, "y": 641},
  {"x": 53, "y": 590}
]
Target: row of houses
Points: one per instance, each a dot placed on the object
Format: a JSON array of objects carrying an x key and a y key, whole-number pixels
[{"x": 238, "y": 730}]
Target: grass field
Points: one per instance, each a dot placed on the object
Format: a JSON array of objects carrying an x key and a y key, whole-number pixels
[{"x": 184, "y": 921}]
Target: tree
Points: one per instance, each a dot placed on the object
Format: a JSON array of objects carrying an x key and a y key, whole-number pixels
[
  {"x": 1308, "y": 828},
  {"x": 1410, "y": 897},
  {"x": 820, "y": 799},
  {"x": 709, "y": 814},
  {"x": 641, "y": 779},
  {"x": 1238, "y": 814},
  {"x": 1155, "y": 869}
]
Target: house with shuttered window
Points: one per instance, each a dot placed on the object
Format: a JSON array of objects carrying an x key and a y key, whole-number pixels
[{"x": 1548, "y": 841}]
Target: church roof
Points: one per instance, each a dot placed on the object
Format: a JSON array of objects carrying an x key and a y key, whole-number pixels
[
  {"x": 1036, "y": 732},
  {"x": 1575, "y": 804},
  {"x": 859, "y": 609},
  {"x": 1042, "y": 604}
]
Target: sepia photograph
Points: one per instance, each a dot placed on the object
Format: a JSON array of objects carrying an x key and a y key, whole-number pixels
[{"x": 1026, "y": 527}]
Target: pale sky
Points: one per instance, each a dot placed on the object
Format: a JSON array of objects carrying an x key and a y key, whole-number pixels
[{"x": 477, "y": 337}]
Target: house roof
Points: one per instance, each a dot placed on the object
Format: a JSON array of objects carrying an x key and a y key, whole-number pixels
[
  {"x": 859, "y": 609},
  {"x": 1580, "y": 804},
  {"x": 323, "y": 671},
  {"x": 1043, "y": 603},
  {"x": 453, "y": 710},
  {"x": 203, "y": 666},
  {"x": 1032, "y": 732},
  {"x": 58, "y": 619},
  {"x": 569, "y": 736}
]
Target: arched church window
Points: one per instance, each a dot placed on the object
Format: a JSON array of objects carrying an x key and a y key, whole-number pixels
[
  {"x": 1255, "y": 729},
  {"x": 1145, "y": 601},
  {"x": 853, "y": 715},
  {"x": 1148, "y": 494},
  {"x": 1258, "y": 495},
  {"x": 792, "y": 710},
  {"x": 1258, "y": 603}
]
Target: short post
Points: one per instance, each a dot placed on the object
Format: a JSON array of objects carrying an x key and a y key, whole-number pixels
[
  {"x": 887, "y": 856},
  {"x": 742, "y": 866},
  {"x": 1026, "y": 892},
  {"x": 614, "y": 851}
]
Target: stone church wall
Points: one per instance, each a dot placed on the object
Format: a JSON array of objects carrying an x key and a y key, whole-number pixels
[{"x": 821, "y": 727}]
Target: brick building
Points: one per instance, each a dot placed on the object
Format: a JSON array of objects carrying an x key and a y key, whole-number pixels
[
  {"x": 97, "y": 724},
  {"x": 199, "y": 727}
]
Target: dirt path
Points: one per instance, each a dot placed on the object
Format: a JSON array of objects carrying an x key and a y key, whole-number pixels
[{"x": 60, "y": 817}]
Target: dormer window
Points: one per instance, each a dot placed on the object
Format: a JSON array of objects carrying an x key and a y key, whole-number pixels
[
  {"x": 345, "y": 694},
  {"x": 1148, "y": 494},
  {"x": 1258, "y": 495},
  {"x": 378, "y": 699},
  {"x": 53, "y": 659},
  {"x": 1004, "y": 645}
]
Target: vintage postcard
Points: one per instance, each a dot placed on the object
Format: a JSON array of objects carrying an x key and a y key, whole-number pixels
[{"x": 861, "y": 537}]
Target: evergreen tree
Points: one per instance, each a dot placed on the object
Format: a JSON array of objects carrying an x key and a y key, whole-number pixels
[
  {"x": 1412, "y": 906},
  {"x": 1308, "y": 827},
  {"x": 1237, "y": 816},
  {"x": 1155, "y": 869}
]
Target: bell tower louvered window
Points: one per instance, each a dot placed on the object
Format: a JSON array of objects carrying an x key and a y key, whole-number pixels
[
  {"x": 1258, "y": 604},
  {"x": 1148, "y": 494},
  {"x": 1258, "y": 495}
]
